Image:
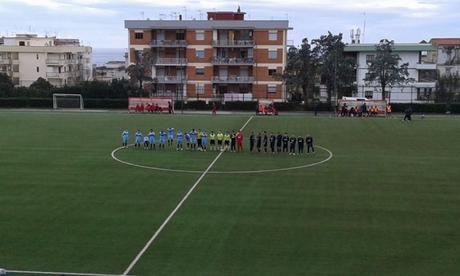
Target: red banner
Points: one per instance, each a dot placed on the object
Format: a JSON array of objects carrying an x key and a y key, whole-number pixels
[{"x": 153, "y": 105}]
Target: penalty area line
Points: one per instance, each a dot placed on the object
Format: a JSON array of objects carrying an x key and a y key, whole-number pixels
[{"x": 171, "y": 215}]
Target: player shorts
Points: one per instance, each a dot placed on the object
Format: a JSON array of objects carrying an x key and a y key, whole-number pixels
[
  {"x": 219, "y": 142},
  {"x": 212, "y": 142},
  {"x": 227, "y": 143},
  {"x": 170, "y": 137}
]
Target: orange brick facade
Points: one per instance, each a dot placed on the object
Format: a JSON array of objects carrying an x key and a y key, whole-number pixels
[{"x": 193, "y": 63}]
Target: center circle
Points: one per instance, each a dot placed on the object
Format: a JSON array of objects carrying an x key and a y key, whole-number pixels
[{"x": 194, "y": 171}]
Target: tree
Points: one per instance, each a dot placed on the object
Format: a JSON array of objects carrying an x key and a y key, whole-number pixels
[
  {"x": 448, "y": 89},
  {"x": 41, "y": 84},
  {"x": 300, "y": 71},
  {"x": 337, "y": 72},
  {"x": 385, "y": 68},
  {"x": 142, "y": 70},
  {"x": 6, "y": 85}
]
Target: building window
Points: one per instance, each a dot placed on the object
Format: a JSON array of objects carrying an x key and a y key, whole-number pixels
[
  {"x": 22, "y": 43},
  {"x": 199, "y": 53},
  {"x": 370, "y": 58},
  {"x": 273, "y": 35},
  {"x": 199, "y": 71},
  {"x": 199, "y": 35},
  {"x": 200, "y": 88},
  {"x": 272, "y": 54},
  {"x": 38, "y": 69},
  {"x": 271, "y": 72},
  {"x": 424, "y": 94},
  {"x": 368, "y": 94},
  {"x": 138, "y": 35},
  {"x": 367, "y": 76},
  {"x": 37, "y": 56},
  {"x": 271, "y": 88}
]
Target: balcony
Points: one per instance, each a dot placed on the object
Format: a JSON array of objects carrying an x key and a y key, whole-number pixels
[
  {"x": 232, "y": 79},
  {"x": 5, "y": 60},
  {"x": 59, "y": 61},
  {"x": 233, "y": 61},
  {"x": 168, "y": 43},
  {"x": 426, "y": 66},
  {"x": 233, "y": 43},
  {"x": 170, "y": 62},
  {"x": 170, "y": 79}
]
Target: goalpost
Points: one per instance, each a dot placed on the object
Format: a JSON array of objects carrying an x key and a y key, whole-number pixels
[{"x": 67, "y": 101}]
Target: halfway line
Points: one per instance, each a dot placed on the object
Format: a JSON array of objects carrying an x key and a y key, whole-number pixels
[{"x": 157, "y": 233}]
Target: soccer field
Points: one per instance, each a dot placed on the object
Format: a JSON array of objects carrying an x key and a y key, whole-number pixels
[{"x": 381, "y": 197}]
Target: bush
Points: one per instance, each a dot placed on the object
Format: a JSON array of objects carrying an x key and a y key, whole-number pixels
[
  {"x": 244, "y": 106},
  {"x": 26, "y": 102},
  {"x": 426, "y": 108}
]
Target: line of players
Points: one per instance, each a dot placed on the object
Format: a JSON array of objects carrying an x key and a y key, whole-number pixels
[
  {"x": 194, "y": 140},
  {"x": 280, "y": 143},
  {"x": 228, "y": 141}
]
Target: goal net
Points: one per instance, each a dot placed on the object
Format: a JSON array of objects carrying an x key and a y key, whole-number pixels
[{"x": 67, "y": 101}]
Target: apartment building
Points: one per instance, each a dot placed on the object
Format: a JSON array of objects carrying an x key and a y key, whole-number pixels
[
  {"x": 27, "y": 57},
  {"x": 446, "y": 55},
  {"x": 224, "y": 57},
  {"x": 421, "y": 71},
  {"x": 112, "y": 70}
]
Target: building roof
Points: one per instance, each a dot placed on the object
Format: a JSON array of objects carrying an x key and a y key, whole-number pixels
[
  {"x": 398, "y": 47},
  {"x": 445, "y": 41},
  {"x": 207, "y": 24}
]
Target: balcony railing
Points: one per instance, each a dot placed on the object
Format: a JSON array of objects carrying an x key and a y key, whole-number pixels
[
  {"x": 5, "y": 60},
  {"x": 60, "y": 61},
  {"x": 168, "y": 43},
  {"x": 232, "y": 61},
  {"x": 233, "y": 43},
  {"x": 170, "y": 79},
  {"x": 233, "y": 79},
  {"x": 170, "y": 61}
]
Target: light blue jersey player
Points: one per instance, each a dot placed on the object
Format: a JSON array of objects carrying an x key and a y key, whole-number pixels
[
  {"x": 204, "y": 141},
  {"x": 138, "y": 139},
  {"x": 170, "y": 136},
  {"x": 152, "y": 139},
  {"x": 124, "y": 138},
  {"x": 180, "y": 140},
  {"x": 162, "y": 139},
  {"x": 193, "y": 136}
]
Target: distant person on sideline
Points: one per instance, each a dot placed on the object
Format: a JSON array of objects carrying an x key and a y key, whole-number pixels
[{"x": 408, "y": 114}]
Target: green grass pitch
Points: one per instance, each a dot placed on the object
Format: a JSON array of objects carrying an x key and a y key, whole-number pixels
[{"x": 387, "y": 203}]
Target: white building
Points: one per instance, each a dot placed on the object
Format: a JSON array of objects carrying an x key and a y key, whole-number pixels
[
  {"x": 27, "y": 57},
  {"x": 424, "y": 73},
  {"x": 112, "y": 70}
]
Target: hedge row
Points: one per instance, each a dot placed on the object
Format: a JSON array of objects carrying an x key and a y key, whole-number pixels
[
  {"x": 202, "y": 105},
  {"x": 427, "y": 108}
]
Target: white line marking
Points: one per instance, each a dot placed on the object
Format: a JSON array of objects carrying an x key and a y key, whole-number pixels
[
  {"x": 152, "y": 239},
  {"x": 58, "y": 273},
  {"x": 225, "y": 172}
]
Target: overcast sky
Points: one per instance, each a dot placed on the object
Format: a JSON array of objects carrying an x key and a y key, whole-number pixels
[{"x": 99, "y": 23}]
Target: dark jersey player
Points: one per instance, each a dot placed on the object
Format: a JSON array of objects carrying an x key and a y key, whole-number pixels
[
  {"x": 300, "y": 144},
  {"x": 292, "y": 144},
  {"x": 233, "y": 142},
  {"x": 309, "y": 141},
  {"x": 279, "y": 141},
  {"x": 272, "y": 142},
  {"x": 265, "y": 141},
  {"x": 252, "y": 140},
  {"x": 285, "y": 142},
  {"x": 259, "y": 141}
]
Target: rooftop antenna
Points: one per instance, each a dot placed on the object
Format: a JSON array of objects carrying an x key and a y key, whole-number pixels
[
  {"x": 184, "y": 8},
  {"x": 201, "y": 14},
  {"x": 358, "y": 35},
  {"x": 352, "y": 36},
  {"x": 364, "y": 25}
]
